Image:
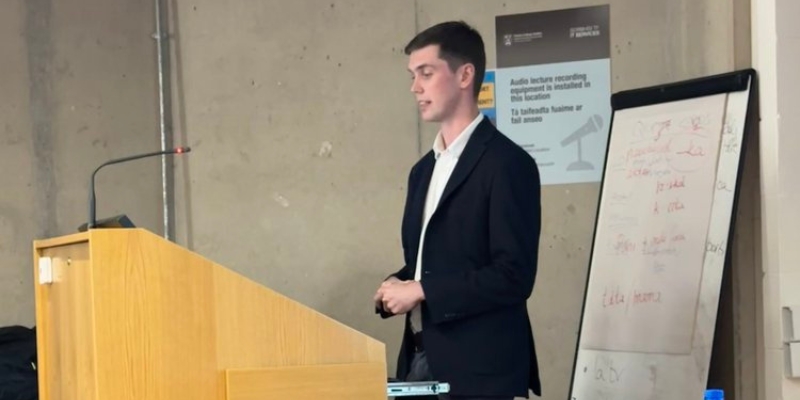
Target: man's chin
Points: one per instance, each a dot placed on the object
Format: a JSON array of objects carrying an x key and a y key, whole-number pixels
[{"x": 430, "y": 118}]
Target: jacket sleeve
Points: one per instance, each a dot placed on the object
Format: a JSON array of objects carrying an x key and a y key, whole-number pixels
[
  {"x": 513, "y": 233},
  {"x": 404, "y": 273}
]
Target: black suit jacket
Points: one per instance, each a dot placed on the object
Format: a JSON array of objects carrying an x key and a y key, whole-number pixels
[{"x": 479, "y": 266}]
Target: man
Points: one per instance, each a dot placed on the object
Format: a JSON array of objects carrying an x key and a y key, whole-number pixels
[{"x": 470, "y": 235}]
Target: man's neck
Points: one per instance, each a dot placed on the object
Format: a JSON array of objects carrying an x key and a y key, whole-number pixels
[{"x": 453, "y": 127}]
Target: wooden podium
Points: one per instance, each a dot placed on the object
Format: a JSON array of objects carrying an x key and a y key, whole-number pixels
[{"x": 125, "y": 314}]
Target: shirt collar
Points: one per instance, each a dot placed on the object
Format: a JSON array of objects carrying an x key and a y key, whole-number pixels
[{"x": 458, "y": 145}]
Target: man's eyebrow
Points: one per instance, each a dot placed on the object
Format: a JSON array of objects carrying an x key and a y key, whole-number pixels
[{"x": 423, "y": 66}]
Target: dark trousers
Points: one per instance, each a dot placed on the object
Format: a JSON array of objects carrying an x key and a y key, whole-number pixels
[{"x": 419, "y": 371}]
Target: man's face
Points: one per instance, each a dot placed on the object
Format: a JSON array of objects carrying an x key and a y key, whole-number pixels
[{"x": 434, "y": 85}]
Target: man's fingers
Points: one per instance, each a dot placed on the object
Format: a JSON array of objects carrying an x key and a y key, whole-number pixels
[
  {"x": 396, "y": 306},
  {"x": 398, "y": 309},
  {"x": 381, "y": 293}
]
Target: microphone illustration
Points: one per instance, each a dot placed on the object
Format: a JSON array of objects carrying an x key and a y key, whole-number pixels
[
  {"x": 120, "y": 220},
  {"x": 594, "y": 124}
]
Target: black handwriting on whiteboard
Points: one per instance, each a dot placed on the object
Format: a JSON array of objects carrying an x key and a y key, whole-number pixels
[
  {"x": 715, "y": 248},
  {"x": 730, "y": 145},
  {"x": 721, "y": 185},
  {"x": 606, "y": 371}
]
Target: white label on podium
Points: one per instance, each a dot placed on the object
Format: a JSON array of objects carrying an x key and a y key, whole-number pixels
[{"x": 45, "y": 270}]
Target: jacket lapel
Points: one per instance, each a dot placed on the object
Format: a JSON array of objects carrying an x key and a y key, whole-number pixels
[{"x": 469, "y": 158}]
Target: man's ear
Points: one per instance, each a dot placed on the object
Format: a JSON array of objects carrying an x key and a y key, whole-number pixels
[{"x": 466, "y": 75}]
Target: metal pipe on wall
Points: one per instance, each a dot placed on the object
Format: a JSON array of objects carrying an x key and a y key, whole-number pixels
[{"x": 165, "y": 117}]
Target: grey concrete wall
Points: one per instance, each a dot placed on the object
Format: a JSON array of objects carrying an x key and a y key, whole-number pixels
[
  {"x": 102, "y": 105},
  {"x": 303, "y": 131},
  {"x": 78, "y": 85},
  {"x": 16, "y": 169}
]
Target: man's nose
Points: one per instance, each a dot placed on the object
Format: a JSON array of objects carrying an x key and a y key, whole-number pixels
[{"x": 415, "y": 87}]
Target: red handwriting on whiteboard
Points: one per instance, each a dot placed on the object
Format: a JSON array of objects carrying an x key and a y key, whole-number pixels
[
  {"x": 657, "y": 240},
  {"x": 654, "y": 250},
  {"x": 646, "y": 297},
  {"x": 642, "y": 151},
  {"x": 675, "y": 206},
  {"x": 623, "y": 245},
  {"x": 636, "y": 172},
  {"x": 672, "y": 207},
  {"x": 697, "y": 124},
  {"x": 677, "y": 183},
  {"x": 662, "y": 243},
  {"x": 613, "y": 297},
  {"x": 659, "y": 128},
  {"x": 693, "y": 151}
]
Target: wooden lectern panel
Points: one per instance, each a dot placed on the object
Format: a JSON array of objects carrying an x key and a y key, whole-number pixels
[
  {"x": 310, "y": 339},
  {"x": 66, "y": 310},
  {"x": 131, "y": 316},
  {"x": 155, "y": 319},
  {"x": 314, "y": 382}
]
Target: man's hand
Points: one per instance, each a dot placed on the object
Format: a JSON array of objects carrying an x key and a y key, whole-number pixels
[
  {"x": 399, "y": 297},
  {"x": 379, "y": 295}
]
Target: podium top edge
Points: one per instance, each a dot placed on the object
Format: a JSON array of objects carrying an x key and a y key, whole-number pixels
[
  {"x": 74, "y": 238},
  {"x": 61, "y": 240}
]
